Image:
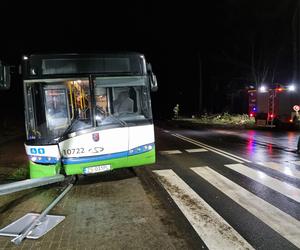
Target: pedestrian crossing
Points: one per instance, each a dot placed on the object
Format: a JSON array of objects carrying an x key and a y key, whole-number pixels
[
  {"x": 286, "y": 169},
  {"x": 170, "y": 152},
  {"x": 296, "y": 162},
  {"x": 275, "y": 184},
  {"x": 204, "y": 219},
  {"x": 173, "y": 152},
  {"x": 215, "y": 231},
  {"x": 195, "y": 150}
]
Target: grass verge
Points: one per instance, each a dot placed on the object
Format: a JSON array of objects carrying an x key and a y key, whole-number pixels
[
  {"x": 19, "y": 174},
  {"x": 225, "y": 119}
]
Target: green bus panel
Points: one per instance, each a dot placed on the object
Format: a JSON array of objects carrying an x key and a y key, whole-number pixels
[{"x": 39, "y": 170}]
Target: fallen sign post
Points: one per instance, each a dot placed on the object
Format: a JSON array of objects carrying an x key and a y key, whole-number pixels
[
  {"x": 33, "y": 226},
  {"x": 29, "y": 183}
]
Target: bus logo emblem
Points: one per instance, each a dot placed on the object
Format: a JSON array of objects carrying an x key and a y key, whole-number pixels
[{"x": 96, "y": 137}]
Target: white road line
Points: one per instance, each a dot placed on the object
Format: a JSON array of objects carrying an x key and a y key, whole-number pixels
[
  {"x": 170, "y": 152},
  {"x": 295, "y": 162},
  {"x": 275, "y": 184},
  {"x": 213, "y": 149},
  {"x": 210, "y": 226},
  {"x": 284, "y": 224},
  {"x": 196, "y": 150},
  {"x": 286, "y": 170}
]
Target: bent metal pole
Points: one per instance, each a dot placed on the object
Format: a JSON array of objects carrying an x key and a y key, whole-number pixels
[
  {"x": 17, "y": 240},
  {"x": 29, "y": 183}
]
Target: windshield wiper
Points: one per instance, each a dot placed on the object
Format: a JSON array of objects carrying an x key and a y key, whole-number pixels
[
  {"x": 120, "y": 120},
  {"x": 68, "y": 129},
  {"x": 123, "y": 123}
]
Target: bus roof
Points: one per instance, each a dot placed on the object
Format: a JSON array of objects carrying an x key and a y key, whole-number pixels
[{"x": 60, "y": 65}]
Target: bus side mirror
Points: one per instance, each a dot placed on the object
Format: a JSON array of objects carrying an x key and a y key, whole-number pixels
[
  {"x": 4, "y": 77},
  {"x": 152, "y": 78},
  {"x": 153, "y": 82}
]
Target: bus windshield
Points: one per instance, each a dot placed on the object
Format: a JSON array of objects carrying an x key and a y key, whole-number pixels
[
  {"x": 125, "y": 104},
  {"x": 57, "y": 108}
]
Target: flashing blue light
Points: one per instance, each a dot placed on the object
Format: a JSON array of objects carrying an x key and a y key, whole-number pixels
[{"x": 254, "y": 109}]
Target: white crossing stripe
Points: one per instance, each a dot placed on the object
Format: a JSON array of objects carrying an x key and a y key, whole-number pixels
[
  {"x": 296, "y": 162},
  {"x": 275, "y": 184},
  {"x": 288, "y": 169},
  {"x": 283, "y": 223},
  {"x": 196, "y": 150},
  {"x": 170, "y": 152},
  {"x": 210, "y": 226}
]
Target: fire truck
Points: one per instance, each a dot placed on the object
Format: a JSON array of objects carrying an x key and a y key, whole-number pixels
[{"x": 274, "y": 106}]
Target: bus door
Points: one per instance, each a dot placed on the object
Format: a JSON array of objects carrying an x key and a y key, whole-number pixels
[{"x": 56, "y": 107}]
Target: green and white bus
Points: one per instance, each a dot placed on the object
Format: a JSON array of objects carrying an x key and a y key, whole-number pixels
[{"x": 87, "y": 113}]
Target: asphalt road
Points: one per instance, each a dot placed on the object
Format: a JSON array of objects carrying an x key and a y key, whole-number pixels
[{"x": 235, "y": 189}]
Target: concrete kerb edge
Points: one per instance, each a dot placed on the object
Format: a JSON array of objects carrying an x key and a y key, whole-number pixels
[{"x": 151, "y": 182}]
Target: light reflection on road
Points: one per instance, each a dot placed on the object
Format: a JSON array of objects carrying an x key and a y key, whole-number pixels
[
  {"x": 250, "y": 146},
  {"x": 286, "y": 139},
  {"x": 264, "y": 145},
  {"x": 256, "y": 145}
]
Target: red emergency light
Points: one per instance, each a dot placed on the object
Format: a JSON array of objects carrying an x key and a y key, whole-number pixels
[{"x": 279, "y": 89}]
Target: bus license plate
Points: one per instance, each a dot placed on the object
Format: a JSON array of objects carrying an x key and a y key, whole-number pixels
[{"x": 96, "y": 169}]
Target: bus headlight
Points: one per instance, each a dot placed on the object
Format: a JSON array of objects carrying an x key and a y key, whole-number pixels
[
  {"x": 141, "y": 149},
  {"x": 44, "y": 159}
]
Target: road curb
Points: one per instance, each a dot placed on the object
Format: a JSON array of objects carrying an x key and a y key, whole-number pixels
[{"x": 152, "y": 185}]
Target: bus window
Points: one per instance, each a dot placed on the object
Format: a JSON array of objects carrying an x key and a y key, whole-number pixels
[
  {"x": 57, "y": 115},
  {"x": 117, "y": 105},
  {"x": 101, "y": 100},
  {"x": 79, "y": 105},
  {"x": 123, "y": 103},
  {"x": 56, "y": 108}
]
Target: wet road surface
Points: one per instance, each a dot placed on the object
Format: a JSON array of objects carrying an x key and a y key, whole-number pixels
[
  {"x": 237, "y": 189},
  {"x": 215, "y": 189}
]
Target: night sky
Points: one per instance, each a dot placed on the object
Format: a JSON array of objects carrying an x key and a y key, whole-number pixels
[{"x": 228, "y": 44}]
